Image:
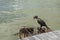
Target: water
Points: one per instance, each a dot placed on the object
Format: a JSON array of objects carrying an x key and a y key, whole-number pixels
[
  {"x": 17, "y": 13},
  {"x": 20, "y": 4}
]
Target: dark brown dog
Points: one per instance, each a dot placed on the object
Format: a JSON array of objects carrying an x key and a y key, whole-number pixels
[{"x": 41, "y": 22}]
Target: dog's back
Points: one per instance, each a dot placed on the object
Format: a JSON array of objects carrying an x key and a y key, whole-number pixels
[{"x": 25, "y": 32}]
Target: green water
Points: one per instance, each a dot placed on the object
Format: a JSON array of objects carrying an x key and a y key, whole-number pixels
[{"x": 11, "y": 22}]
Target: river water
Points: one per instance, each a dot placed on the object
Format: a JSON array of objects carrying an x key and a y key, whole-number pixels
[{"x": 17, "y": 13}]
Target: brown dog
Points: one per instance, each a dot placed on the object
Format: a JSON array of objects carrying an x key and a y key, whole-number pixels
[{"x": 25, "y": 32}]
